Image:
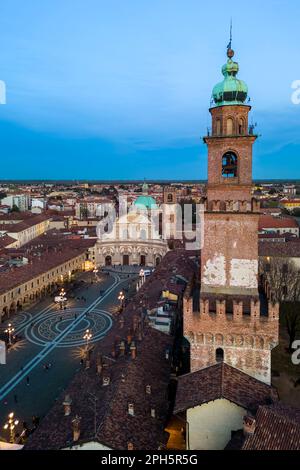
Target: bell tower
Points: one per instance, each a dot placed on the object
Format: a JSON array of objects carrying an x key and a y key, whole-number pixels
[{"x": 232, "y": 323}]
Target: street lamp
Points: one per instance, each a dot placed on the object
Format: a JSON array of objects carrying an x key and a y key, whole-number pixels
[
  {"x": 10, "y": 425},
  {"x": 63, "y": 297},
  {"x": 9, "y": 330},
  {"x": 121, "y": 298},
  {"x": 87, "y": 336},
  {"x": 142, "y": 273},
  {"x": 95, "y": 271}
]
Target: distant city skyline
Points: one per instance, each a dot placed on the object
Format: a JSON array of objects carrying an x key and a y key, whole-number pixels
[{"x": 121, "y": 90}]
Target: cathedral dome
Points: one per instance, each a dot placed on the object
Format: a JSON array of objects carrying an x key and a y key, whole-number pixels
[
  {"x": 145, "y": 201},
  {"x": 231, "y": 90}
]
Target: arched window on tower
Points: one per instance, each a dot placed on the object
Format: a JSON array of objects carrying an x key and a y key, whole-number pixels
[
  {"x": 229, "y": 126},
  {"x": 229, "y": 165},
  {"x": 170, "y": 197},
  {"x": 219, "y": 355},
  {"x": 218, "y": 127},
  {"x": 241, "y": 126}
]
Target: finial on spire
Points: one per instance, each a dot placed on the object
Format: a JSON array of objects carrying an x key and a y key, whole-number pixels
[{"x": 230, "y": 52}]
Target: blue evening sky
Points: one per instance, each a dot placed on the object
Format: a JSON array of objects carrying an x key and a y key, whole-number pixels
[{"x": 121, "y": 88}]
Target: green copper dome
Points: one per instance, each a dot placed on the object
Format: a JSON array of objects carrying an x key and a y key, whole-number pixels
[
  {"x": 147, "y": 202},
  {"x": 231, "y": 90}
]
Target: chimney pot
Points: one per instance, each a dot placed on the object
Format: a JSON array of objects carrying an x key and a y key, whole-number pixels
[
  {"x": 131, "y": 409},
  {"x": 133, "y": 350},
  {"x": 67, "y": 405},
  {"x": 249, "y": 425},
  {"x": 76, "y": 428},
  {"x": 153, "y": 413},
  {"x": 122, "y": 348},
  {"x": 106, "y": 381}
]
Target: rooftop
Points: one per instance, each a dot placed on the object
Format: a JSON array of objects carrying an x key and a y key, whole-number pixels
[{"x": 222, "y": 381}]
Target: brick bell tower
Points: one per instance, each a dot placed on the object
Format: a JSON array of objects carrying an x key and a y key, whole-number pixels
[{"x": 233, "y": 323}]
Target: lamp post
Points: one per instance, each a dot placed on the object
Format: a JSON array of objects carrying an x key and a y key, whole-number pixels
[
  {"x": 87, "y": 336},
  {"x": 95, "y": 271},
  {"x": 63, "y": 297},
  {"x": 9, "y": 330},
  {"x": 121, "y": 298},
  {"x": 10, "y": 425}
]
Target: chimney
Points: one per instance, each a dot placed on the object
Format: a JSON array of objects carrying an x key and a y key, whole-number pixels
[
  {"x": 122, "y": 348},
  {"x": 140, "y": 333},
  {"x": 249, "y": 425},
  {"x": 99, "y": 364},
  {"x": 148, "y": 389},
  {"x": 153, "y": 413},
  {"x": 133, "y": 350},
  {"x": 67, "y": 405},
  {"x": 129, "y": 336},
  {"x": 106, "y": 381},
  {"x": 131, "y": 409},
  {"x": 76, "y": 428},
  {"x": 167, "y": 354}
]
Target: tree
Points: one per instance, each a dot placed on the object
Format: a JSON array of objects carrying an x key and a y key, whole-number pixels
[
  {"x": 15, "y": 208},
  {"x": 290, "y": 312},
  {"x": 283, "y": 278}
]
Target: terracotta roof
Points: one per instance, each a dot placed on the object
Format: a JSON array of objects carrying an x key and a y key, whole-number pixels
[
  {"x": 6, "y": 241},
  {"x": 128, "y": 380},
  {"x": 51, "y": 257},
  {"x": 288, "y": 249},
  {"x": 24, "y": 224},
  {"x": 269, "y": 222},
  {"x": 221, "y": 381},
  {"x": 277, "y": 428}
]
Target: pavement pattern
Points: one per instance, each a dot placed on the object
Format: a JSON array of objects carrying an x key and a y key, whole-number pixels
[{"x": 42, "y": 363}]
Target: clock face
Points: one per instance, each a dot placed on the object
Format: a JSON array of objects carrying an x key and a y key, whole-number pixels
[{"x": 229, "y": 165}]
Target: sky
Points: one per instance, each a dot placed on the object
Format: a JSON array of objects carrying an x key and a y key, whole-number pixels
[{"x": 120, "y": 89}]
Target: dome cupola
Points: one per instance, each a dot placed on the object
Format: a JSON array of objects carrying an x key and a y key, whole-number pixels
[{"x": 231, "y": 90}]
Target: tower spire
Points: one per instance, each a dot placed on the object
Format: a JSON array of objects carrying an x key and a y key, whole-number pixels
[
  {"x": 230, "y": 51},
  {"x": 230, "y": 36}
]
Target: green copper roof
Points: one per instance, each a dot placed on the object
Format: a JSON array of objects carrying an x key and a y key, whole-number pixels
[
  {"x": 231, "y": 90},
  {"x": 147, "y": 202}
]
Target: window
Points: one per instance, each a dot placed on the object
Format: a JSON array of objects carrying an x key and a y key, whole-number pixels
[
  {"x": 241, "y": 126},
  {"x": 229, "y": 165},
  {"x": 229, "y": 126},
  {"x": 218, "y": 127}
]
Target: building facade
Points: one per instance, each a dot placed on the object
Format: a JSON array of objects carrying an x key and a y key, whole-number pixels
[{"x": 133, "y": 238}]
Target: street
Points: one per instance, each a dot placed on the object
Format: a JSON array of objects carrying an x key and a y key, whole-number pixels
[{"x": 52, "y": 344}]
